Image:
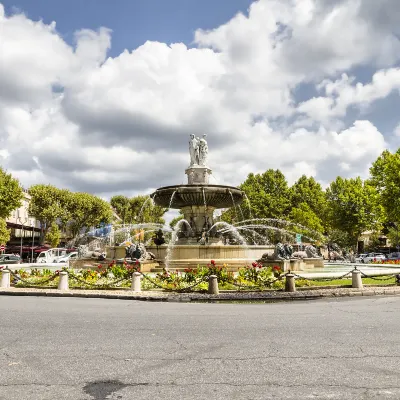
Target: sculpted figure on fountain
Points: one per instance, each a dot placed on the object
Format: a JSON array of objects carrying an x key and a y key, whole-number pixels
[
  {"x": 194, "y": 150},
  {"x": 203, "y": 151},
  {"x": 198, "y": 150}
]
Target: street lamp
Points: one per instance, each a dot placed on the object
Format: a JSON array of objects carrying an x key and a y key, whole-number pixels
[
  {"x": 33, "y": 237},
  {"x": 22, "y": 222}
]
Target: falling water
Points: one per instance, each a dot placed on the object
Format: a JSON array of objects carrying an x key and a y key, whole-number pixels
[
  {"x": 234, "y": 205},
  {"x": 248, "y": 202},
  {"x": 172, "y": 198},
  {"x": 143, "y": 205},
  {"x": 204, "y": 198},
  {"x": 174, "y": 238},
  {"x": 232, "y": 229},
  {"x": 285, "y": 222}
]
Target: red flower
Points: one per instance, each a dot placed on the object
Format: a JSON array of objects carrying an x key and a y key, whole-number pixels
[
  {"x": 254, "y": 264},
  {"x": 99, "y": 266},
  {"x": 213, "y": 262},
  {"x": 259, "y": 266},
  {"x": 276, "y": 268},
  {"x": 137, "y": 262}
]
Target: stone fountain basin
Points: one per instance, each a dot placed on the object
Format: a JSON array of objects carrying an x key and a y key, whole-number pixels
[{"x": 216, "y": 196}]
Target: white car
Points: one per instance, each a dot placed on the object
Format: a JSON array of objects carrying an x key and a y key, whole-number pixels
[
  {"x": 370, "y": 258},
  {"x": 360, "y": 257},
  {"x": 68, "y": 257}
]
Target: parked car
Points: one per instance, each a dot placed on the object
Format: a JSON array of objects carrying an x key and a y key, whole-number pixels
[
  {"x": 360, "y": 257},
  {"x": 374, "y": 257},
  {"x": 394, "y": 256},
  {"x": 68, "y": 257},
  {"x": 9, "y": 259},
  {"x": 51, "y": 255}
]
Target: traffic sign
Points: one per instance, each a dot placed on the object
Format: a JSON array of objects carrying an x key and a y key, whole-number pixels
[{"x": 298, "y": 238}]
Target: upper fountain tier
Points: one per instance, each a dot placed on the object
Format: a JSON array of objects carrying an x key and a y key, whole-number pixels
[
  {"x": 198, "y": 191},
  {"x": 214, "y": 196}
]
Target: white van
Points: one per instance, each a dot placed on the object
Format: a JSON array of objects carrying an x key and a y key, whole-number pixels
[{"x": 51, "y": 255}]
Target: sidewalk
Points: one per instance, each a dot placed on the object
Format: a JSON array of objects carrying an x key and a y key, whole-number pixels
[{"x": 154, "y": 295}]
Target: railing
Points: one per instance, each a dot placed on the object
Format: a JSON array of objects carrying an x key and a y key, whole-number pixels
[{"x": 135, "y": 280}]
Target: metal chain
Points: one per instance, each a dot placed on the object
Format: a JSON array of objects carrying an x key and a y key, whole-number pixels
[
  {"x": 174, "y": 290},
  {"x": 105, "y": 285},
  {"x": 375, "y": 278},
  {"x": 322, "y": 279},
  {"x": 19, "y": 279}
]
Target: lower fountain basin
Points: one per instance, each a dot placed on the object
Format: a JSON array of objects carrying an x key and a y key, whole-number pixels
[{"x": 216, "y": 196}]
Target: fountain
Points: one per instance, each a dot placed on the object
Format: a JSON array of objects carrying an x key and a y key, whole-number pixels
[{"x": 199, "y": 238}]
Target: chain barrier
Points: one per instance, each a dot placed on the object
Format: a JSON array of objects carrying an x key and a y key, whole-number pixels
[
  {"x": 188, "y": 288},
  {"x": 110, "y": 285},
  {"x": 18, "y": 278},
  {"x": 321, "y": 279},
  {"x": 259, "y": 286},
  {"x": 375, "y": 277}
]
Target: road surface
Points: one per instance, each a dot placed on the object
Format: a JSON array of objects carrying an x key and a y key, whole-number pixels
[{"x": 71, "y": 348}]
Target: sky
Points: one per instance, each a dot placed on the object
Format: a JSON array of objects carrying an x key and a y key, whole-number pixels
[{"x": 101, "y": 96}]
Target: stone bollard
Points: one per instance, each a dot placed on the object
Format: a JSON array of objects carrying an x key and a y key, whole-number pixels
[
  {"x": 63, "y": 282},
  {"x": 290, "y": 285},
  {"x": 213, "y": 285},
  {"x": 356, "y": 281},
  {"x": 5, "y": 279},
  {"x": 136, "y": 284}
]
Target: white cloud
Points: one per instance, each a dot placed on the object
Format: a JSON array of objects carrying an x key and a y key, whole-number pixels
[{"x": 73, "y": 117}]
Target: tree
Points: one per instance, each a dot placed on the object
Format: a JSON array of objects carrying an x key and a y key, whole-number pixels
[
  {"x": 353, "y": 207},
  {"x": 309, "y": 191},
  {"x": 11, "y": 194},
  {"x": 175, "y": 221},
  {"x": 49, "y": 204},
  {"x": 385, "y": 177},
  {"x": 53, "y": 235},
  {"x": 268, "y": 196},
  {"x": 87, "y": 211},
  {"x": 4, "y": 232},
  {"x": 121, "y": 206},
  {"x": 305, "y": 216}
]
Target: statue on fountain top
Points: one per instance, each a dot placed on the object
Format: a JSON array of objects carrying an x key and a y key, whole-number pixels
[
  {"x": 194, "y": 150},
  {"x": 198, "y": 150},
  {"x": 203, "y": 151}
]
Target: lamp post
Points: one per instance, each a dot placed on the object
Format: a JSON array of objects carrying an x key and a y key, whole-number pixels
[
  {"x": 33, "y": 238},
  {"x": 22, "y": 222}
]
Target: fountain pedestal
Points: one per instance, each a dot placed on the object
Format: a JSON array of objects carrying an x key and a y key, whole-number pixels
[{"x": 198, "y": 175}]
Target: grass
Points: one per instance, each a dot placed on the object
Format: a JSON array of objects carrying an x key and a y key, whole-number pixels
[{"x": 344, "y": 282}]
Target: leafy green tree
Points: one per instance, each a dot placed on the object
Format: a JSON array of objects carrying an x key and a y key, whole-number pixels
[
  {"x": 53, "y": 235},
  {"x": 353, "y": 207},
  {"x": 11, "y": 194},
  {"x": 137, "y": 209},
  {"x": 121, "y": 206},
  {"x": 4, "y": 232},
  {"x": 306, "y": 190},
  {"x": 175, "y": 221},
  {"x": 268, "y": 196},
  {"x": 304, "y": 215},
  {"x": 87, "y": 211},
  {"x": 393, "y": 234},
  {"x": 49, "y": 204},
  {"x": 385, "y": 177},
  {"x": 340, "y": 238}
]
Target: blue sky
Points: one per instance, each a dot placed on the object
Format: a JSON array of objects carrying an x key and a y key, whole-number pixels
[
  {"x": 308, "y": 87},
  {"x": 132, "y": 21}
]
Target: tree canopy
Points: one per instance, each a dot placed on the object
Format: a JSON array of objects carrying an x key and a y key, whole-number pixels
[
  {"x": 353, "y": 207},
  {"x": 11, "y": 194},
  {"x": 137, "y": 209}
]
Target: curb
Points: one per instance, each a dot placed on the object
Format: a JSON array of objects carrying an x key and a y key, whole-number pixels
[{"x": 200, "y": 297}]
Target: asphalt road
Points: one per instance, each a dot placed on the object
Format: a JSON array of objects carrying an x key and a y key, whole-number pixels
[{"x": 71, "y": 348}]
